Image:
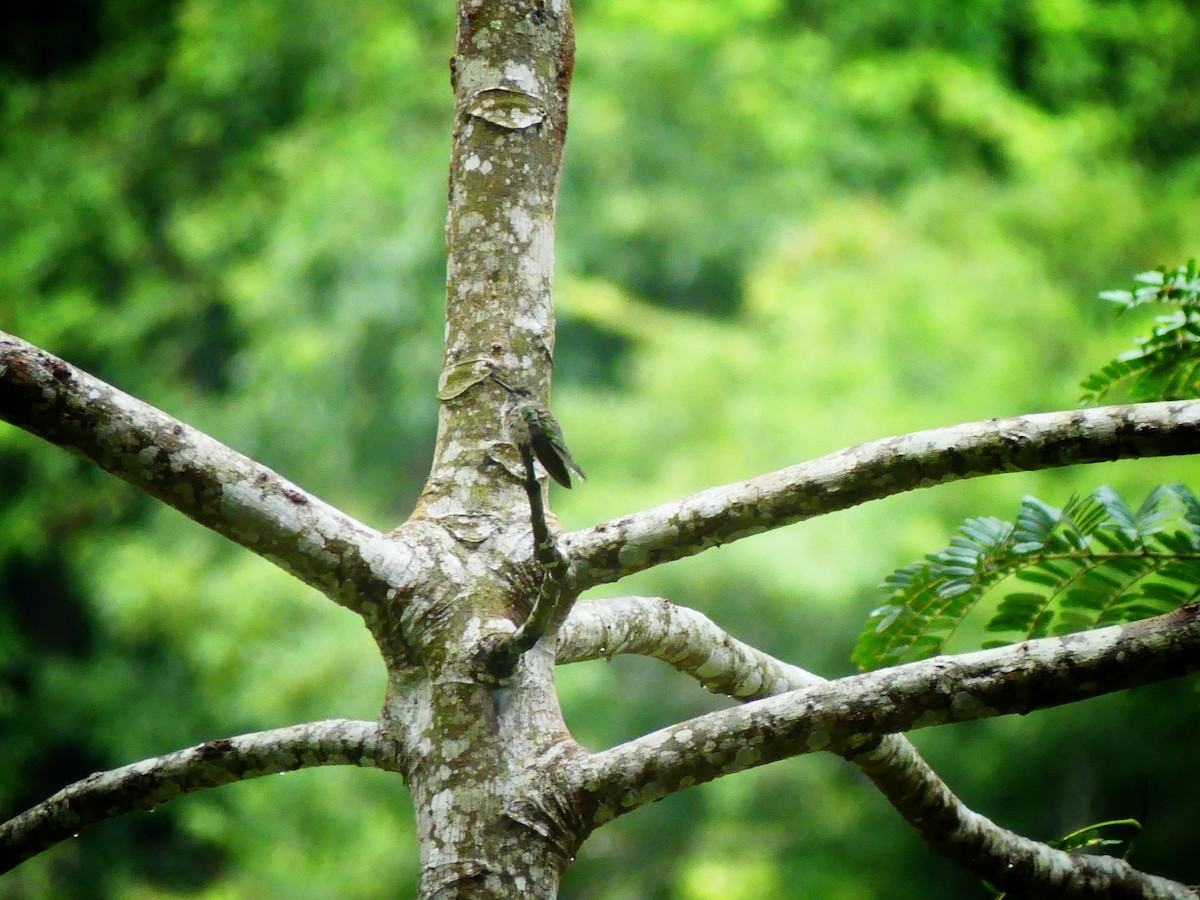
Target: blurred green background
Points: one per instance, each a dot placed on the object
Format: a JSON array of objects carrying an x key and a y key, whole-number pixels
[{"x": 785, "y": 227}]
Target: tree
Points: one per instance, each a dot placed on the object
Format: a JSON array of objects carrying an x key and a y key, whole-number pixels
[{"x": 470, "y": 601}]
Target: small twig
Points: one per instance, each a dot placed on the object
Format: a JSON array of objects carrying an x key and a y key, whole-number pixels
[
  {"x": 502, "y": 657},
  {"x": 545, "y": 549}
]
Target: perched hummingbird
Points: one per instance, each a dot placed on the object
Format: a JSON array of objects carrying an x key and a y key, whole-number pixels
[{"x": 527, "y": 423}]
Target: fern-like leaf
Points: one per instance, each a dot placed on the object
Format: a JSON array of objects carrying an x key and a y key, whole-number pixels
[
  {"x": 1165, "y": 365},
  {"x": 1097, "y": 561}
]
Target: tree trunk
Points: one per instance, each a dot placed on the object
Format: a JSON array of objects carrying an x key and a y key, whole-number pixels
[{"x": 480, "y": 758}]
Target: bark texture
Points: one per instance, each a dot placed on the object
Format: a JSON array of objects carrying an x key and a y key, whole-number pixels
[
  {"x": 693, "y": 644},
  {"x": 503, "y": 795},
  {"x": 472, "y": 748},
  {"x": 877, "y": 469},
  {"x": 220, "y": 488},
  {"x": 146, "y": 784}
]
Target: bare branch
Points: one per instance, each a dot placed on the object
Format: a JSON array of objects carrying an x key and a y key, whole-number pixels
[
  {"x": 1016, "y": 679},
  {"x": 501, "y": 659},
  {"x": 683, "y": 638},
  {"x": 692, "y": 643},
  {"x": 875, "y": 470},
  {"x": 197, "y": 475},
  {"x": 144, "y": 785},
  {"x": 1008, "y": 861}
]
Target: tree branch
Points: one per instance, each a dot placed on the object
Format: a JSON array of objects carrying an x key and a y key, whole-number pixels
[
  {"x": 692, "y": 643},
  {"x": 1008, "y": 861},
  {"x": 144, "y": 785},
  {"x": 197, "y": 475},
  {"x": 1016, "y": 679},
  {"x": 501, "y": 659},
  {"x": 683, "y": 638},
  {"x": 871, "y": 471}
]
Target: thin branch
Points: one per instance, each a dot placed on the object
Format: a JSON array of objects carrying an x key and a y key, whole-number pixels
[
  {"x": 546, "y": 552},
  {"x": 1008, "y": 861},
  {"x": 144, "y": 785},
  {"x": 502, "y": 658},
  {"x": 871, "y": 471},
  {"x": 1015, "y": 679},
  {"x": 692, "y": 643},
  {"x": 197, "y": 475}
]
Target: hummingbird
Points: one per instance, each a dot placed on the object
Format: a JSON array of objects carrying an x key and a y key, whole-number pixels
[{"x": 530, "y": 426}]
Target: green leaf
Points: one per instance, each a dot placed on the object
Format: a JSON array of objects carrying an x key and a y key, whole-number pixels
[
  {"x": 1115, "y": 833},
  {"x": 1124, "y": 298},
  {"x": 1091, "y": 563},
  {"x": 1017, "y": 612},
  {"x": 1164, "y": 365}
]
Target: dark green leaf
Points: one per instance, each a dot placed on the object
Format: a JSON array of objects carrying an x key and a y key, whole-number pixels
[{"x": 1098, "y": 561}]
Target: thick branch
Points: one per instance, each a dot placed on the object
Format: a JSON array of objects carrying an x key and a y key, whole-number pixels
[
  {"x": 197, "y": 475},
  {"x": 1017, "y": 679},
  {"x": 683, "y": 638},
  {"x": 875, "y": 470},
  {"x": 692, "y": 643},
  {"x": 144, "y": 785}
]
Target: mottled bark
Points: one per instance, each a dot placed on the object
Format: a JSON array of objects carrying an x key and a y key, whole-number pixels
[
  {"x": 146, "y": 784},
  {"x": 503, "y": 795},
  {"x": 877, "y": 469},
  {"x": 220, "y": 488},
  {"x": 471, "y": 746},
  {"x": 692, "y": 643}
]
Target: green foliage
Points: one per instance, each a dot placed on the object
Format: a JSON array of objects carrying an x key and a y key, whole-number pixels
[
  {"x": 1165, "y": 365},
  {"x": 803, "y": 207},
  {"x": 1094, "y": 562},
  {"x": 1114, "y": 833}
]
